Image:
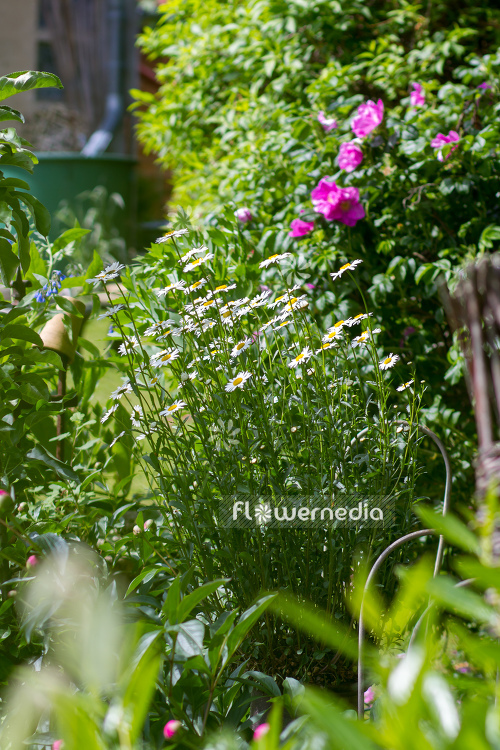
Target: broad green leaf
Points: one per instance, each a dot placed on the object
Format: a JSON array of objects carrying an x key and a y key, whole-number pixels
[
  {"x": 171, "y": 605},
  {"x": 190, "y": 601},
  {"x": 7, "y": 113},
  {"x": 245, "y": 623},
  {"x": 61, "y": 469},
  {"x": 70, "y": 235},
  {"x": 21, "y": 333},
  {"x": 451, "y": 528},
  {"x": 40, "y": 213},
  {"x": 140, "y": 689},
  {"x": 25, "y": 80},
  {"x": 9, "y": 262},
  {"x": 33, "y": 388}
]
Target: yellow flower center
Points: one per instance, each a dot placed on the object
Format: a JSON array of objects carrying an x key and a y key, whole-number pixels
[
  {"x": 356, "y": 317},
  {"x": 208, "y": 303},
  {"x": 273, "y": 257},
  {"x": 195, "y": 285},
  {"x": 166, "y": 357},
  {"x": 299, "y": 356},
  {"x": 220, "y": 288},
  {"x": 343, "y": 268},
  {"x": 294, "y": 299},
  {"x": 339, "y": 324},
  {"x": 331, "y": 335},
  {"x": 386, "y": 361},
  {"x": 345, "y": 205},
  {"x": 237, "y": 381},
  {"x": 226, "y": 314},
  {"x": 171, "y": 408},
  {"x": 195, "y": 262},
  {"x": 326, "y": 346},
  {"x": 240, "y": 345}
]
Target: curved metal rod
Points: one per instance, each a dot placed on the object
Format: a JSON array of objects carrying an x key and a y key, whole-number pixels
[
  {"x": 398, "y": 543},
  {"x": 414, "y": 634}
]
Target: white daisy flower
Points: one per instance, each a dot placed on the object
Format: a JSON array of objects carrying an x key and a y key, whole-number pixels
[
  {"x": 240, "y": 347},
  {"x": 404, "y": 386},
  {"x": 238, "y": 382},
  {"x": 171, "y": 235},
  {"x": 194, "y": 251},
  {"x": 107, "y": 415},
  {"x": 158, "y": 326},
  {"x": 154, "y": 381},
  {"x": 224, "y": 288},
  {"x": 116, "y": 439},
  {"x": 172, "y": 408},
  {"x": 270, "y": 322},
  {"x": 125, "y": 388},
  {"x": 389, "y": 361},
  {"x": 296, "y": 303},
  {"x": 111, "y": 311},
  {"x": 326, "y": 345},
  {"x": 129, "y": 344},
  {"x": 196, "y": 285},
  {"x": 198, "y": 262},
  {"x": 274, "y": 259},
  {"x": 332, "y": 334},
  {"x": 286, "y": 297},
  {"x": 109, "y": 273},
  {"x": 178, "y": 285},
  {"x": 283, "y": 323},
  {"x": 365, "y": 336},
  {"x": 301, "y": 358},
  {"x": 346, "y": 267},
  {"x": 241, "y": 311},
  {"x": 310, "y": 371},
  {"x": 165, "y": 357},
  {"x": 136, "y": 416},
  {"x": 207, "y": 324},
  {"x": 260, "y": 299},
  {"x": 211, "y": 354},
  {"x": 357, "y": 319}
]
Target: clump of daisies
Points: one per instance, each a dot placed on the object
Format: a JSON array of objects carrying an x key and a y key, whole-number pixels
[{"x": 228, "y": 389}]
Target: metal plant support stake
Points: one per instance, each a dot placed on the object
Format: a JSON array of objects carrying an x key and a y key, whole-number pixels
[{"x": 395, "y": 545}]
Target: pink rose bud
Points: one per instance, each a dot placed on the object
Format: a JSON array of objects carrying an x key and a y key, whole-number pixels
[
  {"x": 417, "y": 96},
  {"x": 243, "y": 215},
  {"x": 327, "y": 123},
  {"x": 171, "y": 728},
  {"x": 368, "y": 117},
  {"x": 3, "y": 493},
  {"x": 148, "y": 524},
  {"x": 57, "y": 745},
  {"x": 22, "y": 506},
  {"x": 136, "y": 530},
  {"x": 32, "y": 561},
  {"x": 369, "y": 696},
  {"x": 260, "y": 731}
]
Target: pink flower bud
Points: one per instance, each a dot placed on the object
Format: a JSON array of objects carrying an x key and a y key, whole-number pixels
[
  {"x": 243, "y": 215},
  {"x": 171, "y": 728},
  {"x": 3, "y": 493},
  {"x": 32, "y": 561},
  {"x": 260, "y": 731},
  {"x": 136, "y": 530},
  {"x": 369, "y": 696},
  {"x": 148, "y": 524},
  {"x": 57, "y": 745}
]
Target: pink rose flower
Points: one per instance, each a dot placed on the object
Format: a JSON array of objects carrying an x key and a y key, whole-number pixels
[
  {"x": 57, "y": 745},
  {"x": 350, "y": 156},
  {"x": 369, "y": 116},
  {"x": 260, "y": 731},
  {"x": 327, "y": 123},
  {"x": 417, "y": 96},
  {"x": 441, "y": 140},
  {"x": 32, "y": 561},
  {"x": 340, "y": 204},
  {"x": 3, "y": 493},
  {"x": 484, "y": 86},
  {"x": 243, "y": 215},
  {"x": 171, "y": 728},
  {"x": 369, "y": 696},
  {"x": 300, "y": 228}
]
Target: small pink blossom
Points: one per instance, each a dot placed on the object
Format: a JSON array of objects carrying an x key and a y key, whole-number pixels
[
  {"x": 484, "y": 86},
  {"x": 369, "y": 696},
  {"x": 417, "y": 96},
  {"x": 327, "y": 123},
  {"x": 243, "y": 215},
  {"x": 441, "y": 140},
  {"x": 171, "y": 728},
  {"x": 57, "y": 745},
  {"x": 350, "y": 156},
  {"x": 260, "y": 731},
  {"x": 32, "y": 561},
  {"x": 340, "y": 204},
  {"x": 4, "y": 494},
  {"x": 300, "y": 228},
  {"x": 369, "y": 116}
]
